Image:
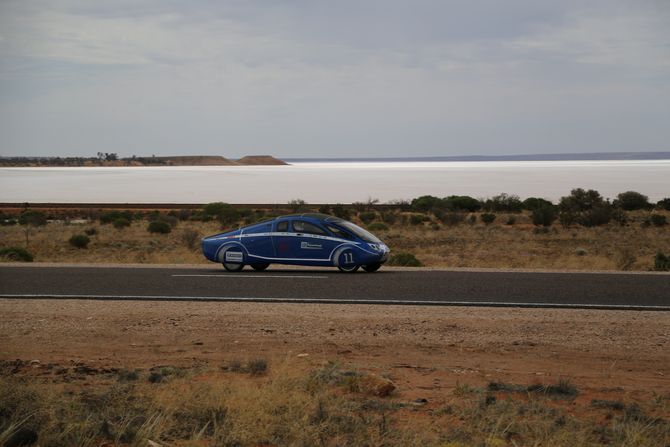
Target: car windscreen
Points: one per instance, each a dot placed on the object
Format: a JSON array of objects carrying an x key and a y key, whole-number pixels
[{"x": 358, "y": 231}]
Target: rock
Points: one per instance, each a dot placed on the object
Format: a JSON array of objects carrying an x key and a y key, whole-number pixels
[
  {"x": 22, "y": 437},
  {"x": 303, "y": 355},
  {"x": 376, "y": 386}
]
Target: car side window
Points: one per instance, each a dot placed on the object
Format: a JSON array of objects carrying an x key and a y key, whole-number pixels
[
  {"x": 282, "y": 226},
  {"x": 338, "y": 232},
  {"x": 300, "y": 226}
]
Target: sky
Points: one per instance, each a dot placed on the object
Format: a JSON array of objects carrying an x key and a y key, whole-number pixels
[{"x": 310, "y": 78}]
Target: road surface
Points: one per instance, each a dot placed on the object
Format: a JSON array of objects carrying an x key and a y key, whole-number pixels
[{"x": 388, "y": 286}]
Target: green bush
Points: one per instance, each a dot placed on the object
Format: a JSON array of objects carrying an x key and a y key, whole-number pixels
[
  {"x": 426, "y": 203},
  {"x": 341, "y": 211},
  {"x": 367, "y": 216},
  {"x": 658, "y": 220},
  {"x": 7, "y": 219},
  {"x": 544, "y": 216},
  {"x": 664, "y": 204},
  {"x": 79, "y": 241},
  {"x": 324, "y": 209},
  {"x": 462, "y": 203},
  {"x": 159, "y": 226},
  {"x": 389, "y": 217},
  {"x": 15, "y": 254},
  {"x": 631, "y": 200},
  {"x": 661, "y": 262},
  {"x": 581, "y": 200},
  {"x": 378, "y": 226},
  {"x": 111, "y": 216},
  {"x": 32, "y": 217},
  {"x": 417, "y": 219},
  {"x": 504, "y": 202},
  {"x": 533, "y": 203},
  {"x": 404, "y": 259},
  {"x": 487, "y": 218},
  {"x": 121, "y": 223},
  {"x": 598, "y": 215}
]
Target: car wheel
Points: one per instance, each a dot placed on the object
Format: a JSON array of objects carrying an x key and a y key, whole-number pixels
[
  {"x": 233, "y": 267},
  {"x": 232, "y": 260},
  {"x": 259, "y": 267},
  {"x": 346, "y": 262},
  {"x": 371, "y": 267}
]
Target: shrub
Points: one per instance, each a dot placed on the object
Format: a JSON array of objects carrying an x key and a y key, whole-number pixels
[
  {"x": 223, "y": 212},
  {"x": 79, "y": 241},
  {"x": 417, "y": 219},
  {"x": 658, "y": 220},
  {"x": 487, "y": 218},
  {"x": 404, "y": 259},
  {"x": 620, "y": 216},
  {"x": 324, "y": 209},
  {"x": 544, "y": 216},
  {"x": 340, "y": 211},
  {"x": 453, "y": 218},
  {"x": 107, "y": 218},
  {"x": 121, "y": 223},
  {"x": 378, "y": 226},
  {"x": 631, "y": 200},
  {"x": 32, "y": 217},
  {"x": 664, "y": 204},
  {"x": 462, "y": 203},
  {"x": 533, "y": 203},
  {"x": 6, "y": 219},
  {"x": 426, "y": 203},
  {"x": 158, "y": 226},
  {"x": 389, "y": 217},
  {"x": 190, "y": 237},
  {"x": 581, "y": 200},
  {"x": 504, "y": 202},
  {"x": 661, "y": 262},
  {"x": 16, "y": 254},
  {"x": 598, "y": 215},
  {"x": 257, "y": 367},
  {"x": 91, "y": 231},
  {"x": 367, "y": 216},
  {"x": 297, "y": 205}
]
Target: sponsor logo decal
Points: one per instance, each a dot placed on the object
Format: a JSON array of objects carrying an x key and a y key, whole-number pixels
[
  {"x": 234, "y": 256},
  {"x": 310, "y": 246}
]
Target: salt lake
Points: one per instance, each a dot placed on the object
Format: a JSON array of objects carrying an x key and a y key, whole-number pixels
[{"x": 331, "y": 182}]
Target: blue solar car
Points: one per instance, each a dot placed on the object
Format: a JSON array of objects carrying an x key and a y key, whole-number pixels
[{"x": 301, "y": 239}]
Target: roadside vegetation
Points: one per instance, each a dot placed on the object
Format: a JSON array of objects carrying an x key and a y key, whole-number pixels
[
  {"x": 323, "y": 406},
  {"x": 583, "y": 231}
]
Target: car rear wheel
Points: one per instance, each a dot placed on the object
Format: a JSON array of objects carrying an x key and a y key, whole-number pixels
[
  {"x": 371, "y": 267},
  {"x": 259, "y": 267},
  {"x": 233, "y": 267}
]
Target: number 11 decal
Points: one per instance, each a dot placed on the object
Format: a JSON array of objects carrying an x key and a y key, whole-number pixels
[{"x": 348, "y": 258}]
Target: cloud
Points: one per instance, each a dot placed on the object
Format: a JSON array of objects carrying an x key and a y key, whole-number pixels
[{"x": 318, "y": 78}]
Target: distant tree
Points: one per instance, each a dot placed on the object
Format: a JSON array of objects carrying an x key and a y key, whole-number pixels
[
  {"x": 31, "y": 219},
  {"x": 488, "y": 218},
  {"x": 587, "y": 208},
  {"x": 532, "y": 203},
  {"x": 544, "y": 216},
  {"x": 581, "y": 200},
  {"x": 664, "y": 204},
  {"x": 504, "y": 202},
  {"x": 424, "y": 204},
  {"x": 631, "y": 200},
  {"x": 297, "y": 205},
  {"x": 462, "y": 203}
]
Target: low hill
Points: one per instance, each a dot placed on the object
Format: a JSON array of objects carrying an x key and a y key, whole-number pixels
[
  {"x": 250, "y": 160},
  {"x": 197, "y": 160}
]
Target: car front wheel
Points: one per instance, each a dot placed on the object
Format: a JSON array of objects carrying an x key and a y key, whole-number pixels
[{"x": 371, "y": 267}]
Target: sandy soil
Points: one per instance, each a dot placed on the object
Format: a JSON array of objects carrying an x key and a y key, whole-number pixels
[{"x": 427, "y": 352}]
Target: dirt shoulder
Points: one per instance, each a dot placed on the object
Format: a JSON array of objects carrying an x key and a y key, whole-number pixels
[{"x": 424, "y": 350}]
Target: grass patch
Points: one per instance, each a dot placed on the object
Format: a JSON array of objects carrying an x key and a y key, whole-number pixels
[{"x": 15, "y": 254}]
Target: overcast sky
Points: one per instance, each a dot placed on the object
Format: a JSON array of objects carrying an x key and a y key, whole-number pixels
[{"x": 333, "y": 78}]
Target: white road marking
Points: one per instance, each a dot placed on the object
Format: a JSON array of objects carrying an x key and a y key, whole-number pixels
[
  {"x": 252, "y": 276},
  {"x": 339, "y": 301}
]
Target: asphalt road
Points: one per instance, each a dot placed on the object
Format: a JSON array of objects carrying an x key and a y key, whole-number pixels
[{"x": 523, "y": 289}]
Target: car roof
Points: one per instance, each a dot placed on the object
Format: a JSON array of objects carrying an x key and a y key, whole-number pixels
[{"x": 316, "y": 216}]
